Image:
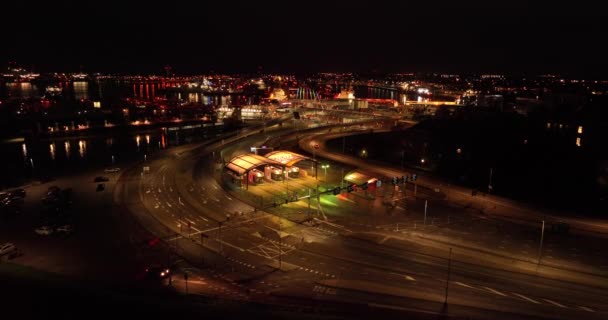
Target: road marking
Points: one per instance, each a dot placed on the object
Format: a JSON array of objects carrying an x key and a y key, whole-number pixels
[
  {"x": 204, "y": 218},
  {"x": 525, "y": 298},
  {"x": 463, "y": 284},
  {"x": 168, "y": 204},
  {"x": 410, "y": 278},
  {"x": 194, "y": 223},
  {"x": 586, "y": 309},
  {"x": 494, "y": 291},
  {"x": 555, "y": 303}
]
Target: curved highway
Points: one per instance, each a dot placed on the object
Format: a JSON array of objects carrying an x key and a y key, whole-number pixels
[{"x": 274, "y": 259}]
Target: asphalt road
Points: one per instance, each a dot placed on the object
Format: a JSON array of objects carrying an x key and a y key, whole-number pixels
[{"x": 180, "y": 199}]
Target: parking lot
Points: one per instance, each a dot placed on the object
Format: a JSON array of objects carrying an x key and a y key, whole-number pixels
[{"x": 66, "y": 226}]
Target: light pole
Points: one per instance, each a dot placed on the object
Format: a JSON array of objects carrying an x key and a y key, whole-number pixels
[
  {"x": 33, "y": 167},
  {"x": 325, "y": 166},
  {"x": 425, "y": 206},
  {"x": 490, "y": 181},
  {"x": 219, "y": 233},
  {"x": 540, "y": 247},
  {"x": 447, "y": 283}
]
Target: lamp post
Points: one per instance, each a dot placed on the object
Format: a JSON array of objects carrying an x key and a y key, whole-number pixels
[
  {"x": 219, "y": 234},
  {"x": 540, "y": 247},
  {"x": 325, "y": 166},
  {"x": 490, "y": 181}
]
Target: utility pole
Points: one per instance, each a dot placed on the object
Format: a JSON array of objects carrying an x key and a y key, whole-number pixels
[
  {"x": 540, "y": 248},
  {"x": 490, "y": 181},
  {"x": 447, "y": 283},
  {"x": 309, "y": 213},
  {"x": 280, "y": 245},
  {"x": 425, "y": 206}
]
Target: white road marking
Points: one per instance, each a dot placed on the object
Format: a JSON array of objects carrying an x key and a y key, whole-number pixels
[
  {"x": 168, "y": 204},
  {"x": 227, "y": 197},
  {"x": 555, "y": 303},
  {"x": 194, "y": 223},
  {"x": 494, "y": 291},
  {"x": 463, "y": 284},
  {"x": 525, "y": 298},
  {"x": 586, "y": 309},
  {"x": 410, "y": 278}
]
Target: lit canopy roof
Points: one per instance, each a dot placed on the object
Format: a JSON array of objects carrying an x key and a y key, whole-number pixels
[
  {"x": 245, "y": 162},
  {"x": 287, "y": 158}
]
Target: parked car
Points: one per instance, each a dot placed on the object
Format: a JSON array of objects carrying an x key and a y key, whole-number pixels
[
  {"x": 8, "y": 250},
  {"x": 44, "y": 231},
  {"x": 53, "y": 190},
  {"x": 101, "y": 179},
  {"x": 65, "y": 230},
  {"x": 111, "y": 170},
  {"x": 18, "y": 193}
]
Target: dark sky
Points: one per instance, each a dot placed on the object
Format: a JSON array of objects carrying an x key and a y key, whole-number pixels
[{"x": 301, "y": 36}]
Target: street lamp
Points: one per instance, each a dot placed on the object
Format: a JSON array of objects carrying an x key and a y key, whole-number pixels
[
  {"x": 219, "y": 235},
  {"x": 325, "y": 166}
]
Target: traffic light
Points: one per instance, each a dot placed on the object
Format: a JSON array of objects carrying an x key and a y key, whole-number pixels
[{"x": 336, "y": 191}]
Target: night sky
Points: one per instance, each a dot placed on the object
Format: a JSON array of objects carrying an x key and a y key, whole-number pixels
[{"x": 301, "y": 36}]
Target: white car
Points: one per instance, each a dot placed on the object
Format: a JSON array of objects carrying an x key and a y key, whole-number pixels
[
  {"x": 44, "y": 230},
  {"x": 111, "y": 170},
  {"x": 8, "y": 249},
  {"x": 66, "y": 229}
]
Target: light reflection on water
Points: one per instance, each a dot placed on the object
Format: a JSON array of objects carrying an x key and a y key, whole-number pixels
[
  {"x": 82, "y": 148},
  {"x": 66, "y": 145},
  {"x": 52, "y": 150}
]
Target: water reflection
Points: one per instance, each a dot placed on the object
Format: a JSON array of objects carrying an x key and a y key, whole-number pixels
[
  {"x": 81, "y": 90},
  {"x": 148, "y": 139},
  {"x": 24, "y": 151},
  {"x": 22, "y": 89},
  {"x": 137, "y": 140},
  {"x": 66, "y": 145},
  {"x": 82, "y": 148},
  {"x": 52, "y": 150}
]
